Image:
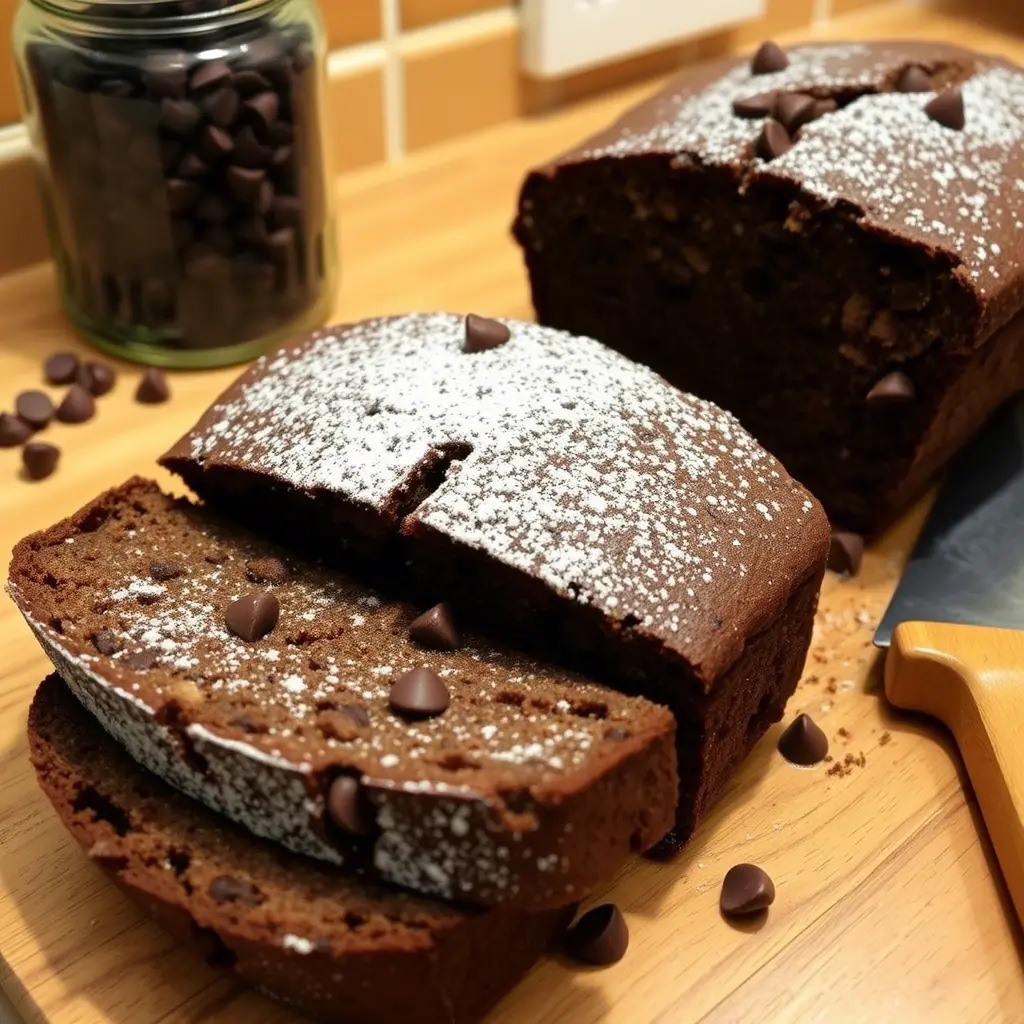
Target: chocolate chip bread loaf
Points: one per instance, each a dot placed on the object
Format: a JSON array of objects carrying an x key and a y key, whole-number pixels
[
  {"x": 554, "y": 492},
  {"x": 346, "y": 726},
  {"x": 314, "y": 936},
  {"x": 825, "y": 241}
]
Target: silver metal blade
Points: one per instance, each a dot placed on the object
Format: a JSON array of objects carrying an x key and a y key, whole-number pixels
[{"x": 968, "y": 566}]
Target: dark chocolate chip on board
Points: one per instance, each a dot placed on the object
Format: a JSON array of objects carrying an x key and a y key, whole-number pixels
[
  {"x": 14, "y": 431},
  {"x": 746, "y": 890},
  {"x": 802, "y": 742},
  {"x": 845, "y": 552},
  {"x": 35, "y": 408},
  {"x": 61, "y": 367},
  {"x": 39, "y": 459},
  {"x": 153, "y": 387},
  {"x": 77, "y": 406},
  {"x": 96, "y": 378},
  {"x": 599, "y": 937}
]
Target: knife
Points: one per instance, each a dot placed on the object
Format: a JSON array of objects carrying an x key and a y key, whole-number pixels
[{"x": 955, "y": 628}]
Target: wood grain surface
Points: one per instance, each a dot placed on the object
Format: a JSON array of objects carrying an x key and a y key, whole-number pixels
[{"x": 890, "y": 906}]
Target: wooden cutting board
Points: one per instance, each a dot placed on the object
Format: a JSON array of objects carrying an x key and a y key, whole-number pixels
[{"x": 889, "y": 904}]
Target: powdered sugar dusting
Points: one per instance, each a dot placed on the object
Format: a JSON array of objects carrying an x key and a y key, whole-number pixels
[
  {"x": 954, "y": 190},
  {"x": 585, "y": 469}
]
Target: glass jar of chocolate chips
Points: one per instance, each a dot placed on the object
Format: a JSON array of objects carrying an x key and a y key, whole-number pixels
[{"x": 180, "y": 151}]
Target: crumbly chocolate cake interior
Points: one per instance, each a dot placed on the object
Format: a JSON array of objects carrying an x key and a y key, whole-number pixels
[
  {"x": 316, "y": 936},
  {"x": 133, "y": 594},
  {"x": 785, "y": 281}
]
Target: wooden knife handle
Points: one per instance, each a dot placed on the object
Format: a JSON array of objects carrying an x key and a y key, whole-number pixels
[{"x": 972, "y": 678}]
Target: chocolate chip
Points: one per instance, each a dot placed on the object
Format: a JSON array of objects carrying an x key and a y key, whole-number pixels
[
  {"x": 179, "y": 117},
  {"x": 253, "y": 616},
  {"x": 746, "y": 889},
  {"x": 893, "y": 389},
  {"x": 760, "y": 105},
  {"x": 947, "y": 109},
  {"x": 61, "y": 367},
  {"x": 229, "y": 889},
  {"x": 106, "y": 642},
  {"x": 163, "y": 571},
  {"x": 483, "y": 334},
  {"x": 215, "y": 143},
  {"x": 77, "y": 406},
  {"x": 802, "y": 742},
  {"x": 768, "y": 59},
  {"x": 281, "y": 134},
  {"x": 153, "y": 387},
  {"x": 348, "y": 807},
  {"x": 436, "y": 629},
  {"x": 143, "y": 659},
  {"x": 914, "y": 78},
  {"x": 248, "y": 82},
  {"x": 222, "y": 107},
  {"x": 793, "y": 110},
  {"x": 35, "y": 408},
  {"x": 210, "y": 75},
  {"x": 261, "y": 111},
  {"x": 285, "y": 211},
  {"x": 96, "y": 378},
  {"x": 845, "y": 552},
  {"x": 267, "y": 570},
  {"x": 773, "y": 141},
  {"x": 249, "y": 151},
  {"x": 13, "y": 431},
  {"x": 192, "y": 166},
  {"x": 823, "y": 107},
  {"x": 280, "y": 244},
  {"x": 419, "y": 694},
  {"x": 245, "y": 183},
  {"x": 600, "y": 936},
  {"x": 166, "y": 73}
]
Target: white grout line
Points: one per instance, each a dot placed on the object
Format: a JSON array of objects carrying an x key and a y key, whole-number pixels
[
  {"x": 356, "y": 58},
  {"x": 394, "y": 84},
  {"x": 14, "y": 142}
]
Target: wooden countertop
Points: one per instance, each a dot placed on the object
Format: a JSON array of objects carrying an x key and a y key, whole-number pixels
[{"x": 889, "y": 904}]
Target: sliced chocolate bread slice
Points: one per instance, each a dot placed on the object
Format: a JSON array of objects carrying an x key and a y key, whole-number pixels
[
  {"x": 551, "y": 489},
  {"x": 314, "y": 712},
  {"x": 313, "y": 935}
]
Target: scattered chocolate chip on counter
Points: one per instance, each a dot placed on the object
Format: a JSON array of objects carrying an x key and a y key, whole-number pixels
[
  {"x": 77, "y": 406},
  {"x": 97, "y": 378},
  {"x": 483, "y": 334},
  {"x": 253, "y": 616},
  {"x": 14, "y": 431},
  {"x": 153, "y": 387},
  {"x": 348, "y": 807},
  {"x": 420, "y": 693},
  {"x": 39, "y": 459},
  {"x": 802, "y": 742},
  {"x": 435, "y": 629},
  {"x": 845, "y": 552},
  {"x": 35, "y": 408},
  {"x": 60, "y": 368},
  {"x": 599, "y": 937},
  {"x": 746, "y": 890}
]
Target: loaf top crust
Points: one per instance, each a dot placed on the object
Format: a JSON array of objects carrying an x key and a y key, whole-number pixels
[
  {"x": 570, "y": 464},
  {"x": 957, "y": 193}
]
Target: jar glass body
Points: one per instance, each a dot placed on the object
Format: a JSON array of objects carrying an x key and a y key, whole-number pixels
[{"x": 181, "y": 159}]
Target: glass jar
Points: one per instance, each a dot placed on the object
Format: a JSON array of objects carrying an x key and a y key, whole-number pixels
[{"x": 180, "y": 152}]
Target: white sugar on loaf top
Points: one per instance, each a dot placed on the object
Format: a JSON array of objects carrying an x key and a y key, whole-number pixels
[
  {"x": 585, "y": 470},
  {"x": 961, "y": 191}
]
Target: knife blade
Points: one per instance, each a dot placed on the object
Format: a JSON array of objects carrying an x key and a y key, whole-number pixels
[{"x": 968, "y": 564}]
